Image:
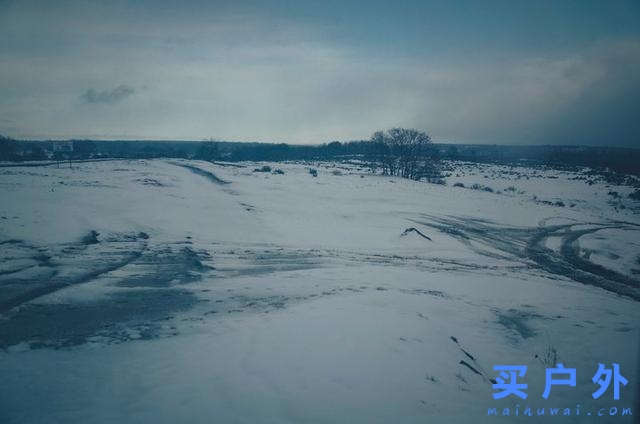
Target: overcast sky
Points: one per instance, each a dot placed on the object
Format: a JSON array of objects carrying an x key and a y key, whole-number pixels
[{"x": 517, "y": 72}]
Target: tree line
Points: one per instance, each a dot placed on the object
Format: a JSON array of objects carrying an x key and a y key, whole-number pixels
[
  {"x": 403, "y": 152},
  {"x": 399, "y": 152}
]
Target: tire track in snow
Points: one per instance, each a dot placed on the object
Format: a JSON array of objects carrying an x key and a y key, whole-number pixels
[
  {"x": 530, "y": 243},
  {"x": 57, "y": 282}
]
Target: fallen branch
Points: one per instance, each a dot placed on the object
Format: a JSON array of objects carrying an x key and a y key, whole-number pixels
[{"x": 408, "y": 230}]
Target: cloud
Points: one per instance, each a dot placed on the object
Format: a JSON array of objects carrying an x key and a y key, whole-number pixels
[
  {"x": 579, "y": 98},
  {"x": 116, "y": 95},
  {"x": 243, "y": 73}
]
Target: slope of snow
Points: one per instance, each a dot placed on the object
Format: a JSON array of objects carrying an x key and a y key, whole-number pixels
[{"x": 257, "y": 297}]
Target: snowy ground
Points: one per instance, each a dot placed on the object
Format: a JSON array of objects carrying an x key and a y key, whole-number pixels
[{"x": 173, "y": 291}]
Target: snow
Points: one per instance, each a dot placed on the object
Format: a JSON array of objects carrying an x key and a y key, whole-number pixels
[
  {"x": 293, "y": 298},
  {"x": 614, "y": 249}
]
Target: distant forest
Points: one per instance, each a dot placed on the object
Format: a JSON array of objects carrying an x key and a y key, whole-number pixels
[{"x": 625, "y": 160}]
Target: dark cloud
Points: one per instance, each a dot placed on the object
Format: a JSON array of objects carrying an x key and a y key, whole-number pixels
[
  {"x": 316, "y": 71},
  {"x": 116, "y": 95}
]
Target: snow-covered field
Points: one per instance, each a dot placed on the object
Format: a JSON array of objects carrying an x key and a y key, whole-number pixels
[{"x": 169, "y": 291}]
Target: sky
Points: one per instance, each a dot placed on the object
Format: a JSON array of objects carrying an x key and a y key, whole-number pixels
[{"x": 303, "y": 71}]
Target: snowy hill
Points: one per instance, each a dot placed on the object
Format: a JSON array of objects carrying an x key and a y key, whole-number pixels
[{"x": 185, "y": 291}]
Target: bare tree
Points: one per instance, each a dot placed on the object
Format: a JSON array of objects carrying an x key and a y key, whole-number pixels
[{"x": 402, "y": 152}]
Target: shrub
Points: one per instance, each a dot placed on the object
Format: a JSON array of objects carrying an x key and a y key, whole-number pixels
[
  {"x": 313, "y": 172},
  {"x": 438, "y": 181},
  {"x": 477, "y": 186}
]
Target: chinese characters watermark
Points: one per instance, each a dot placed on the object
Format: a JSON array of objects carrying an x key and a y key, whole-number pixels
[{"x": 507, "y": 383}]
